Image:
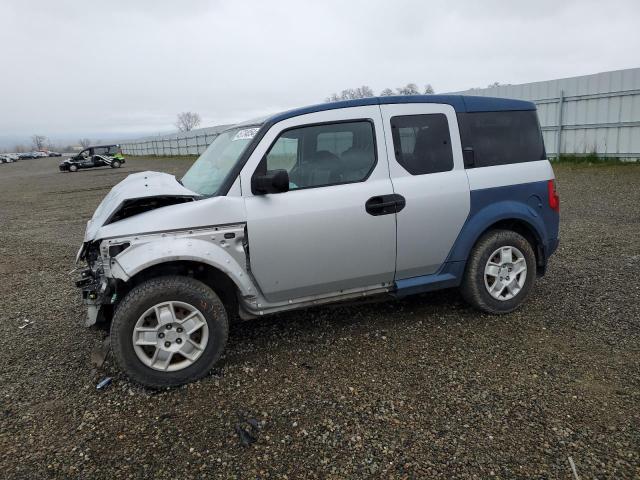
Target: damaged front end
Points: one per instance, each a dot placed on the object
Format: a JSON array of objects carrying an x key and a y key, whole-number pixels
[
  {"x": 98, "y": 290},
  {"x": 137, "y": 194}
]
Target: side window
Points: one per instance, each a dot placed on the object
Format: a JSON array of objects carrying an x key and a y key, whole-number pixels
[
  {"x": 335, "y": 142},
  {"x": 500, "y": 138},
  {"x": 422, "y": 143},
  {"x": 283, "y": 154},
  {"x": 322, "y": 155}
]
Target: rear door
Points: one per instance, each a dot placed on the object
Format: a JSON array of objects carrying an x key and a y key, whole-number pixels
[
  {"x": 426, "y": 168},
  {"x": 319, "y": 238}
]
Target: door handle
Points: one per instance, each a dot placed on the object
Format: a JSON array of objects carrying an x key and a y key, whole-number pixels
[{"x": 385, "y": 204}]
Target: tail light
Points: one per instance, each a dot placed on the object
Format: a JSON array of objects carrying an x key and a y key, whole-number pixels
[{"x": 554, "y": 198}]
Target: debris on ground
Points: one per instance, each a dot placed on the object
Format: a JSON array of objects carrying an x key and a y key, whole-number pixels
[
  {"x": 104, "y": 383},
  {"x": 573, "y": 469},
  {"x": 248, "y": 430},
  {"x": 26, "y": 323}
]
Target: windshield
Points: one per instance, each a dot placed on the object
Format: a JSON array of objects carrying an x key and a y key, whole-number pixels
[{"x": 209, "y": 171}]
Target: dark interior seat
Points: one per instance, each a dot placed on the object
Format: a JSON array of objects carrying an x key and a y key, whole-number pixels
[
  {"x": 321, "y": 168},
  {"x": 429, "y": 150},
  {"x": 357, "y": 162}
]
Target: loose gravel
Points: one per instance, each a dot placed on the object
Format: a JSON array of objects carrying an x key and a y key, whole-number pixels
[{"x": 419, "y": 388}]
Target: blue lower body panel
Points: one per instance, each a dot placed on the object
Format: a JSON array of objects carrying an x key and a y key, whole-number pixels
[
  {"x": 524, "y": 203},
  {"x": 449, "y": 276}
]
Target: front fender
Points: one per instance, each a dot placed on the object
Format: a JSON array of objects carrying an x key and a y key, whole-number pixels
[{"x": 210, "y": 248}]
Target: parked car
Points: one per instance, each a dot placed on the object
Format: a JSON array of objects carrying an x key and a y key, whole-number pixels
[
  {"x": 342, "y": 201},
  {"x": 96, "y": 156},
  {"x": 8, "y": 157},
  {"x": 25, "y": 155},
  {"x": 55, "y": 154}
]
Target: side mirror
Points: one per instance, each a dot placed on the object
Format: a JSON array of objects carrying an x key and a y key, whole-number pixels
[
  {"x": 275, "y": 181},
  {"x": 468, "y": 157}
]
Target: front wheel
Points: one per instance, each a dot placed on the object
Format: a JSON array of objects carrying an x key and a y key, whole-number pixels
[
  {"x": 168, "y": 331},
  {"x": 73, "y": 168},
  {"x": 500, "y": 272},
  {"x": 115, "y": 164}
]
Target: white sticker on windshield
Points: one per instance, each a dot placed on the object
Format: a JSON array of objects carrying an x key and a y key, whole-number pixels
[{"x": 246, "y": 134}]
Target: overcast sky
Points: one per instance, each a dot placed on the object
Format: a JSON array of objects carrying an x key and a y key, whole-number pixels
[{"x": 123, "y": 67}]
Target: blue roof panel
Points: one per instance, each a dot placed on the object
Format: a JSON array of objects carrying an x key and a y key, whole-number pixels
[
  {"x": 461, "y": 104},
  {"x": 493, "y": 104}
]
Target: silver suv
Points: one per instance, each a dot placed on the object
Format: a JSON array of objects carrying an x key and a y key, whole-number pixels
[{"x": 380, "y": 196}]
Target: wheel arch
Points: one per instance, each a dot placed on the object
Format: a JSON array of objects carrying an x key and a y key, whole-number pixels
[
  {"x": 509, "y": 215},
  {"x": 211, "y": 276},
  {"x": 524, "y": 228}
]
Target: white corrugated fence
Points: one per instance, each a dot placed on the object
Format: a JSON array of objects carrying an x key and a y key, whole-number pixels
[
  {"x": 597, "y": 113},
  {"x": 184, "y": 143}
]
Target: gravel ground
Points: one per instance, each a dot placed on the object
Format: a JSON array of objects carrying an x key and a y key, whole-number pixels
[{"x": 419, "y": 388}]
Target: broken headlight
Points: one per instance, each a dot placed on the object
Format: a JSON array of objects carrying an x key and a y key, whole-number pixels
[{"x": 115, "y": 250}]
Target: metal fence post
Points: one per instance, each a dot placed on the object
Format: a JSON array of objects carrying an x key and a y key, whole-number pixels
[{"x": 559, "y": 128}]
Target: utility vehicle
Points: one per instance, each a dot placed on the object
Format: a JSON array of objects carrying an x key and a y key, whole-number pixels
[
  {"x": 340, "y": 201},
  {"x": 92, "y": 157}
]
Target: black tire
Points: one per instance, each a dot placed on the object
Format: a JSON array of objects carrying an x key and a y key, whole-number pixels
[
  {"x": 73, "y": 168},
  {"x": 115, "y": 164},
  {"x": 473, "y": 287},
  {"x": 153, "y": 292}
]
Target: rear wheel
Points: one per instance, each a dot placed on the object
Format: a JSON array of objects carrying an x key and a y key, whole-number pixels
[
  {"x": 73, "y": 168},
  {"x": 169, "y": 331},
  {"x": 500, "y": 272}
]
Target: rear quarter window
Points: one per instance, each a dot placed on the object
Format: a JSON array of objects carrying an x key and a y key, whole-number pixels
[
  {"x": 501, "y": 138},
  {"x": 422, "y": 143}
]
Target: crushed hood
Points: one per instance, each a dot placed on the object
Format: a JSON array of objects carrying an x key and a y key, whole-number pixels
[{"x": 142, "y": 185}]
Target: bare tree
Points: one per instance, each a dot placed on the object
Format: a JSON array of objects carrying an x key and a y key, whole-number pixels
[
  {"x": 408, "y": 89},
  {"x": 84, "y": 142},
  {"x": 351, "y": 93},
  {"x": 187, "y": 121},
  {"x": 38, "y": 141},
  {"x": 494, "y": 84},
  {"x": 364, "y": 92}
]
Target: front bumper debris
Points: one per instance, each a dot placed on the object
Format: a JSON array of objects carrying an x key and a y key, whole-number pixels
[{"x": 96, "y": 292}]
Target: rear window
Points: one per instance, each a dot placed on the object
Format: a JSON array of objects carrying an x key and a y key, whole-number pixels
[
  {"x": 500, "y": 138},
  {"x": 108, "y": 150}
]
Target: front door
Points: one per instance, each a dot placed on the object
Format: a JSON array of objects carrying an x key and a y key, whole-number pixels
[
  {"x": 319, "y": 238},
  {"x": 426, "y": 165}
]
